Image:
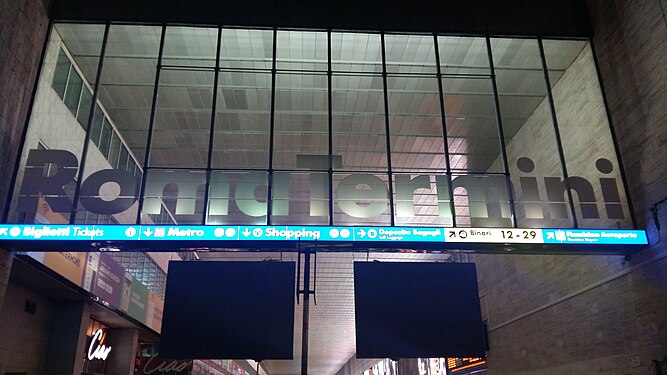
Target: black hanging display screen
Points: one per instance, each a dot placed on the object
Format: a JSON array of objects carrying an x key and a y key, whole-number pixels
[
  {"x": 417, "y": 310},
  {"x": 228, "y": 310}
]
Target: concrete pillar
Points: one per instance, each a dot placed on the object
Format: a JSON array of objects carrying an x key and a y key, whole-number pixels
[
  {"x": 124, "y": 342},
  {"x": 67, "y": 339},
  {"x": 6, "y": 258}
]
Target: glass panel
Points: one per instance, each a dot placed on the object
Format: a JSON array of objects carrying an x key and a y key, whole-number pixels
[
  {"x": 532, "y": 149},
  {"x": 301, "y": 122},
  {"x": 463, "y": 55},
  {"x": 355, "y": 52},
  {"x": 96, "y": 129},
  {"x": 361, "y": 199},
  {"x": 190, "y": 46},
  {"x": 114, "y": 150},
  {"x": 126, "y": 88},
  {"x": 422, "y": 200},
  {"x": 410, "y": 53},
  {"x": 105, "y": 138},
  {"x": 243, "y": 48},
  {"x": 594, "y": 174},
  {"x": 472, "y": 129},
  {"x": 73, "y": 93},
  {"x": 481, "y": 201},
  {"x": 178, "y": 193},
  {"x": 47, "y": 179},
  {"x": 359, "y": 130},
  {"x": 415, "y": 125},
  {"x": 84, "y": 108},
  {"x": 300, "y": 198},
  {"x": 242, "y": 121},
  {"x": 123, "y": 158},
  {"x": 302, "y": 50},
  {"x": 182, "y": 119},
  {"x": 84, "y": 43},
  {"x": 61, "y": 73},
  {"x": 238, "y": 198}
]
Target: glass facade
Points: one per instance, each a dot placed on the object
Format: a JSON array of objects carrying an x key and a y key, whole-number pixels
[{"x": 196, "y": 125}]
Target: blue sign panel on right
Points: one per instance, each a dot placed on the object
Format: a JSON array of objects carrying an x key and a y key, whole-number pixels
[{"x": 592, "y": 236}]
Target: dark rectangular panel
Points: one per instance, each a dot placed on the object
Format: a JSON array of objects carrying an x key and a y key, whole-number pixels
[
  {"x": 228, "y": 310},
  {"x": 417, "y": 310},
  {"x": 565, "y": 18}
]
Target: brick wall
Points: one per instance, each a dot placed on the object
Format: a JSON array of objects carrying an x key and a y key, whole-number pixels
[{"x": 586, "y": 314}]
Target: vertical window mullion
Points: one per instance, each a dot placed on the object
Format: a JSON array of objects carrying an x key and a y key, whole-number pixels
[
  {"x": 211, "y": 134},
  {"x": 386, "y": 124},
  {"x": 69, "y": 72},
  {"x": 443, "y": 114},
  {"x": 330, "y": 104},
  {"x": 89, "y": 122},
  {"x": 151, "y": 121},
  {"x": 559, "y": 141},
  {"x": 501, "y": 134},
  {"x": 272, "y": 129}
]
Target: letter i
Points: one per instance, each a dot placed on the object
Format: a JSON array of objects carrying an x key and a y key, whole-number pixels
[
  {"x": 610, "y": 194},
  {"x": 529, "y": 190}
]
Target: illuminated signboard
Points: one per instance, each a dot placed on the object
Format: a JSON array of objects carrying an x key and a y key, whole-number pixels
[
  {"x": 460, "y": 365},
  {"x": 97, "y": 349},
  {"x": 33, "y": 232}
]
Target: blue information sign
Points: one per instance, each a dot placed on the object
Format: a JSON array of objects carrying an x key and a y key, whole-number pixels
[
  {"x": 594, "y": 237},
  {"x": 41, "y": 232}
]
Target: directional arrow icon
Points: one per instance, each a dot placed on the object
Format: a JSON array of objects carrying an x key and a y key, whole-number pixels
[
  {"x": 361, "y": 233},
  {"x": 246, "y": 232},
  {"x": 148, "y": 232},
  {"x": 452, "y": 233}
]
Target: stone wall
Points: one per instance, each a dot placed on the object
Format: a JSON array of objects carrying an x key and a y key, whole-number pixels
[
  {"x": 23, "y": 26},
  {"x": 23, "y": 343}
]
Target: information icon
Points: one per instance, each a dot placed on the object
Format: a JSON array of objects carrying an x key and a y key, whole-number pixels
[{"x": 130, "y": 232}]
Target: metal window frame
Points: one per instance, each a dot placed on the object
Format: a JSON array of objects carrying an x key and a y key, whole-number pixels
[{"x": 329, "y": 72}]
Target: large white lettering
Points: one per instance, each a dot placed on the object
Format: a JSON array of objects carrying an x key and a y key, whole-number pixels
[{"x": 357, "y": 195}]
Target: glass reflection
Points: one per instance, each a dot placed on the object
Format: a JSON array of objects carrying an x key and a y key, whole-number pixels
[
  {"x": 301, "y": 138},
  {"x": 358, "y": 123},
  {"x": 415, "y": 124},
  {"x": 361, "y": 199},
  {"x": 246, "y": 49},
  {"x": 242, "y": 121},
  {"x": 237, "y": 198},
  {"x": 472, "y": 129},
  {"x": 182, "y": 119}
]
